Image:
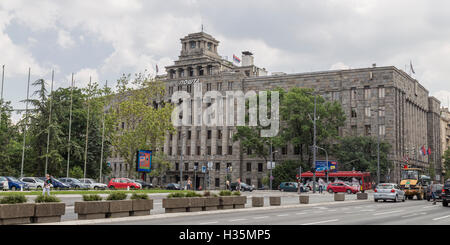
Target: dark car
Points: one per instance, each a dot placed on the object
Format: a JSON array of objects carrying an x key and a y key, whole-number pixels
[
  {"x": 445, "y": 194},
  {"x": 244, "y": 187},
  {"x": 290, "y": 186},
  {"x": 437, "y": 188},
  {"x": 145, "y": 185},
  {"x": 74, "y": 183},
  {"x": 15, "y": 184},
  {"x": 173, "y": 186}
]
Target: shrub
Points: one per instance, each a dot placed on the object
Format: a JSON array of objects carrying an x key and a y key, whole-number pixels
[
  {"x": 44, "y": 199},
  {"x": 192, "y": 194},
  {"x": 116, "y": 196},
  {"x": 236, "y": 193},
  {"x": 92, "y": 198},
  {"x": 225, "y": 193},
  {"x": 176, "y": 194},
  {"x": 136, "y": 196},
  {"x": 13, "y": 199},
  {"x": 206, "y": 194}
]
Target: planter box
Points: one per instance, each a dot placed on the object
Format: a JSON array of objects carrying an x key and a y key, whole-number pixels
[
  {"x": 239, "y": 202},
  {"x": 275, "y": 201},
  {"x": 226, "y": 202},
  {"x": 211, "y": 203},
  {"x": 141, "y": 207},
  {"x": 119, "y": 209},
  {"x": 339, "y": 196},
  {"x": 362, "y": 196},
  {"x": 48, "y": 212},
  {"x": 175, "y": 205},
  {"x": 16, "y": 214},
  {"x": 196, "y": 204},
  {"x": 257, "y": 201},
  {"x": 303, "y": 199},
  {"x": 91, "y": 210}
]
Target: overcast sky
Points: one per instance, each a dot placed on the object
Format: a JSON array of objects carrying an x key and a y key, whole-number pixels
[{"x": 105, "y": 38}]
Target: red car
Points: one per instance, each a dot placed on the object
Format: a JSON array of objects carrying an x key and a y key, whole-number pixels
[
  {"x": 123, "y": 183},
  {"x": 342, "y": 187}
]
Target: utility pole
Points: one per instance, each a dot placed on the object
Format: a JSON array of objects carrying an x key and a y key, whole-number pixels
[
  {"x": 1, "y": 98},
  {"x": 181, "y": 158},
  {"x": 26, "y": 122},
  {"x": 87, "y": 128},
  {"x": 70, "y": 126},
  {"x": 271, "y": 165},
  {"x": 314, "y": 146},
  {"x": 49, "y": 122},
  {"x": 103, "y": 136}
]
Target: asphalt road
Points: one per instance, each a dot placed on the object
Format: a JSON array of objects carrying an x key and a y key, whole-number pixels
[{"x": 411, "y": 212}]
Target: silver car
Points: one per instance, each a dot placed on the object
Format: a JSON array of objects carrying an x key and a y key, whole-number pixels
[
  {"x": 4, "y": 183},
  {"x": 33, "y": 182},
  {"x": 389, "y": 191},
  {"x": 93, "y": 184}
]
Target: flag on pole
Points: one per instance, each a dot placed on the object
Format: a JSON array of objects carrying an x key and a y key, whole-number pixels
[
  {"x": 411, "y": 67},
  {"x": 429, "y": 151},
  {"x": 236, "y": 59},
  {"x": 424, "y": 151},
  {"x": 157, "y": 69}
]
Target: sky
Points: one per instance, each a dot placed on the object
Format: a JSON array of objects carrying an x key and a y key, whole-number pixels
[{"x": 104, "y": 39}]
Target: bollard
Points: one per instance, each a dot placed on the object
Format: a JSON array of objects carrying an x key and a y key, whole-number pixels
[{"x": 339, "y": 196}]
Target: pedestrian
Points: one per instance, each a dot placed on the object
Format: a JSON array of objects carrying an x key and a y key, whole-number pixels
[
  {"x": 320, "y": 188},
  {"x": 227, "y": 184},
  {"x": 47, "y": 185},
  {"x": 433, "y": 193},
  {"x": 238, "y": 187},
  {"x": 189, "y": 184}
]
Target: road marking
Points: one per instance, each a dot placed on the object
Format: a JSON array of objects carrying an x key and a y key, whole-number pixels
[
  {"x": 214, "y": 222},
  {"x": 234, "y": 220},
  {"x": 367, "y": 210},
  {"x": 435, "y": 206},
  {"x": 282, "y": 215},
  {"x": 444, "y": 217},
  {"x": 299, "y": 213},
  {"x": 414, "y": 214},
  {"x": 321, "y": 222},
  {"x": 263, "y": 217},
  {"x": 391, "y": 212}
]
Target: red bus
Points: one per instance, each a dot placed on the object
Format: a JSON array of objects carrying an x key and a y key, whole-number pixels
[{"x": 343, "y": 176}]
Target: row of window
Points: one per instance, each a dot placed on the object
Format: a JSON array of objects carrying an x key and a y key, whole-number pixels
[
  {"x": 217, "y": 167},
  {"x": 367, "y": 92},
  {"x": 368, "y": 130},
  {"x": 208, "y": 135},
  {"x": 368, "y": 111},
  {"x": 219, "y": 87},
  {"x": 198, "y": 151}
]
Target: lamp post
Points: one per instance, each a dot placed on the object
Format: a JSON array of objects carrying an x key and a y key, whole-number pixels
[
  {"x": 326, "y": 154},
  {"x": 314, "y": 145},
  {"x": 378, "y": 144}
]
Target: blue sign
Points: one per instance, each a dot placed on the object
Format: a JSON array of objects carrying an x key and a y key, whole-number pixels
[
  {"x": 323, "y": 165},
  {"x": 143, "y": 161},
  {"x": 203, "y": 169}
]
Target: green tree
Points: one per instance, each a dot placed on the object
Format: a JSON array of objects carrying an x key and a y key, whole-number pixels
[
  {"x": 10, "y": 142},
  {"x": 446, "y": 163}
]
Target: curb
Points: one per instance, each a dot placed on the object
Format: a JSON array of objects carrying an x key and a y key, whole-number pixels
[{"x": 174, "y": 215}]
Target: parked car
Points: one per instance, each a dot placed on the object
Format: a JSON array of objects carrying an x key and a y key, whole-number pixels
[
  {"x": 290, "y": 186},
  {"x": 445, "y": 194},
  {"x": 93, "y": 184},
  {"x": 244, "y": 187},
  {"x": 389, "y": 191},
  {"x": 74, "y": 183},
  {"x": 57, "y": 184},
  {"x": 123, "y": 183},
  {"x": 435, "y": 187},
  {"x": 342, "y": 187},
  {"x": 15, "y": 184},
  {"x": 145, "y": 185},
  {"x": 173, "y": 186},
  {"x": 33, "y": 182},
  {"x": 4, "y": 183}
]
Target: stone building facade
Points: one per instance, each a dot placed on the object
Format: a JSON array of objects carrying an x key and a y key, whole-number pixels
[
  {"x": 445, "y": 129},
  {"x": 376, "y": 100}
]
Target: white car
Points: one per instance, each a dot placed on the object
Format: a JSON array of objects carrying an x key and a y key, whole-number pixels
[
  {"x": 33, "y": 182},
  {"x": 4, "y": 183},
  {"x": 93, "y": 184},
  {"x": 389, "y": 191}
]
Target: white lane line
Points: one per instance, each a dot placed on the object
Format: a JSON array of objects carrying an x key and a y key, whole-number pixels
[
  {"x": 414, "y": 214},
  {"x": 207, "y": 223},
  {"x": 263, "y": 217},
  {"x": 391, "y": 212},
  {"x": 300, "y": 213},
  {"x": 435, "y": 206},
  {"x": 444, "y": 217},
  {"x": 234, "y": 220},
  {"x": 321, "y": 222},
  {"x": 368, "y": 210},
  {"x": 282, "y": 215}
]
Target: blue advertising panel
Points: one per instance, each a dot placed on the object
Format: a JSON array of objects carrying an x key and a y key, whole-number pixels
[
  {"x": 323, "y": 165},
  {"x": 144, "y": 161}
]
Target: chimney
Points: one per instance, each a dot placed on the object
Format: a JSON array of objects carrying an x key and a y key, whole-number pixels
[{"x": 247, "y": 58}]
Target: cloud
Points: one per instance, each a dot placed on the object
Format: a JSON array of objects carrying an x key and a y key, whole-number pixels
[
  {"x": 83, "y": 76},
  {"x": 65, "y": 40}
]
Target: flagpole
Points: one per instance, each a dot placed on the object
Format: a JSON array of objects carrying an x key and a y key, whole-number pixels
[
  {"x": 1, "y": 98},
  {"x": 49, "y": 122},
  {"x": 103, "y": 136},
  {"x": 87, "y": 128},
  {"x": 26, "y": 122},
  {"x": 70, "y": 126}
]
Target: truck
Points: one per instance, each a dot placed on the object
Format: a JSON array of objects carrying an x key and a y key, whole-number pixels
[{"x": 414, "y": 184}]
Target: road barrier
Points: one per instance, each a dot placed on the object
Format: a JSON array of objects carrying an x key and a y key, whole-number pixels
[
  {"x": 258, "y": 202},
  {"x": 275, "y": 201},
  {"x": 304, "y": 199},
  {"x": 339, "y": 196},
  {"x": 362, "y": 196}
]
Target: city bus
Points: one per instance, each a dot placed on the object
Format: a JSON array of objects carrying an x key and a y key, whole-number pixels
[{"x": 364, "y": 178}]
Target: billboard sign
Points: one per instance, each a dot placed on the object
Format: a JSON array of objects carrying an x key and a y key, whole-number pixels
[
  {"x": 144, "y": 161},
  {"x": 322, "y": 165}
]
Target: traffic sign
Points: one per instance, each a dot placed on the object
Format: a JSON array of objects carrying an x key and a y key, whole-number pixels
[{"x": 203, "y": 169}]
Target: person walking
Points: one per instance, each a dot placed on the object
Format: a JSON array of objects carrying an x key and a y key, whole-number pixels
[
  {"x": 189, "y": 184},
  {"x": 433, "y": 193},
  {"x": 227, "y": 184},
  {"x": 47, "y": 185}
]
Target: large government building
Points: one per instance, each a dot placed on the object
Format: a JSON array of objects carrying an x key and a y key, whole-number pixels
[{"x": 376, "y": 100}]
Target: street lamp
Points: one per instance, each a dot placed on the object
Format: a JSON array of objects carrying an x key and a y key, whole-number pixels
[
  {"x": 271, "y": 164},
  {"x": 326, "y": 154},
  {"x": 378, "y": 144}
]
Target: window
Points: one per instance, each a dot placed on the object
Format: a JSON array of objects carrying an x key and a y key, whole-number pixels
[
  {"x": 208, "y": 150},
  {"x": 230, "y": 150},
  {"x": 354, "y": 130},
  {"x": 284, "y": 150},
  {"x": 354, "y": 114},
  {"x": 170, "y": 151},
  {"x": 382, "y": 129},
  {"x": 260, "y": 167},
  {"x": 367, "y": 130},
  {"x": 209, "y": 134},
  {"x": 249, "y": 167},
  {"x": 219, "y": 134},
  {"x": 170, "y": 90},
  {"x": 296, "y": 150},
  {"x": 248, "y": 181},
  {"x": 219, "y": 150},
  {"x": 368, "y": 112},
  {"x": 189, "y": 134},
  {"x": 230, "y": 133},
  {"x": 217, "y": 182},
  {"x": 381, "y": 111},
  {"x": 230, "y": 85},
  {"x": 208, "y": 87},
  {"x": 219, "y": 86},
  {"x": 249, "y": 151},
  {"x": 189, "y": 88},
  {"x": 188, "y": 150},
  {"x": 186, "y": 166},
  {"x": 217, "y": 166},
  {"x": 381, "y": 92},
  {"x": 192, "y": 44},
  {"x": 198, "y": 150},
  {"x": 353, "y": 94},
  {"x": 210, "y": 46},
  {"x": 366, "y": 92}
]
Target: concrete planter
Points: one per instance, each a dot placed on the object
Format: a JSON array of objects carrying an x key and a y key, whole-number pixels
[
  {"x": 362, "y": 196},
  {"x": 48, "y": 212},
  {"x": 226, "y": 202},
  {"x": 16, "y": 214},
  {"x": 120, "y": 208},
  {"x": 239, "y": 202},
  {"x": 303, "y": 199},
  {"x": 196, "y": 204},
  {"x": 275, "y": 201},
  {"x": 141, "y": 207},
  {"x": 211, "y": 203},
  {"x": 339, "y": 196},
  {"x": 91, "y": 210},
  {"x": 175, "y": 205},
  {"x": 257, "y": 201}
]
